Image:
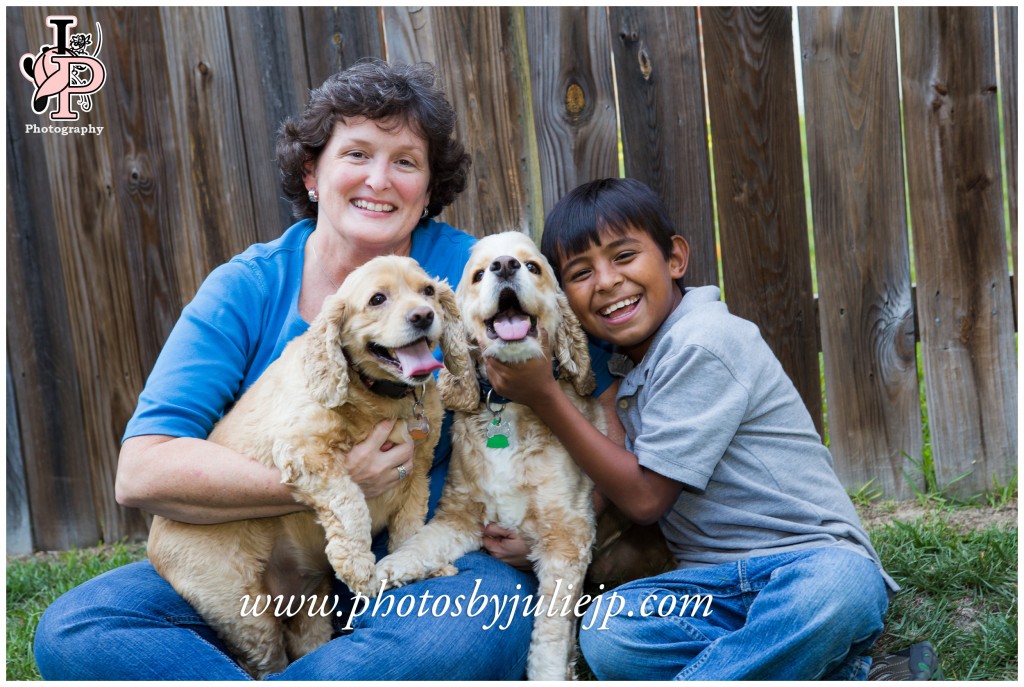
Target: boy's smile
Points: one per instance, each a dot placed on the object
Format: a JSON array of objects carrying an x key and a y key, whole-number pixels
[{"x": 625, "y": 288}]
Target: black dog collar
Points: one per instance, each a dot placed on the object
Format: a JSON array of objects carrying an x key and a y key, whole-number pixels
[
  {"x": 382, "y": 387},
  {"x": 385, "y": 387}
]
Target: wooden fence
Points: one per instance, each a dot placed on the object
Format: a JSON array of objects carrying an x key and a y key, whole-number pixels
[{"x": 110, "y": 235}]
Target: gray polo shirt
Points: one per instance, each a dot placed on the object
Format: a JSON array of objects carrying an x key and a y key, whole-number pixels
[{"x": 711, "y": 407}]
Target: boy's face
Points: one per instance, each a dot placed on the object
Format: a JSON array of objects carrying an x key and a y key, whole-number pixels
[{"x": 625, "y": 288}]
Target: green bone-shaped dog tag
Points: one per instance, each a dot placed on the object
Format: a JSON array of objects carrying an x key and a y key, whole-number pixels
[{"x": 498, "y": 433}]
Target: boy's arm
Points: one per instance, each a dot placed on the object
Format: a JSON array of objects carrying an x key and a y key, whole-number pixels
[{"x": 643, "y": 495}]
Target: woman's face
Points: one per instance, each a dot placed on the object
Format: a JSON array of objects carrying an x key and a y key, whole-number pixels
[{"x": 373, "y": 183}]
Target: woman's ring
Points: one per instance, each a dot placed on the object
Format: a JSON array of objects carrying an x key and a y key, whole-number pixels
[{"x": 402, "y": 472}]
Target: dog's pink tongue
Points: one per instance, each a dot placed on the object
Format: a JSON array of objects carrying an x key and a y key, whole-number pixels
[
  {"x": 512, "y": 326},
  {"x": 417, "y": 359}
]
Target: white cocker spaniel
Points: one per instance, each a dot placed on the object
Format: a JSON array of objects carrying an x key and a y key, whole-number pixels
[{"x": 507, "y": 466}]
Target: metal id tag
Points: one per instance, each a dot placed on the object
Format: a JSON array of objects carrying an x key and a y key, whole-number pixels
[
  {"x": 498, "y": 433},
  {"x": 418, "y": 425}
]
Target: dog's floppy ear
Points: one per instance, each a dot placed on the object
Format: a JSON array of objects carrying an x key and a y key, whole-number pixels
[
  {"x": 324, "y": 361},
  {"x": 460, "y": 392},
  {"x": 570, "y": 348},
  {"x": 457, "y": 381},
  {"x": 453, "y": 334}
]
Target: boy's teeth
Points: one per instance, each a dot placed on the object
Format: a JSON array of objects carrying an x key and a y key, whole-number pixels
[
  {"x": 617, "y": 306},
  {"x": 375, "y": 207}
]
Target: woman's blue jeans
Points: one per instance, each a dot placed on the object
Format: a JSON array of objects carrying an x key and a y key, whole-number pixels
[
  {"x": 804, "y": 615},
  {"x": 129, "y": 623}
]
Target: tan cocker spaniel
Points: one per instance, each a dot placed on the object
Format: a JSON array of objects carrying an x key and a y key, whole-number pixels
[
  {"x": 365, "y": 358},
  {"x": 507, "y": 466}
]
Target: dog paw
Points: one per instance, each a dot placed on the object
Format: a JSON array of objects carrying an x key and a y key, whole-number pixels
[
  {"x": 357, "y": 572},
  {"x": 396, "y": 572},
  {"x": 444, "y": 571}
]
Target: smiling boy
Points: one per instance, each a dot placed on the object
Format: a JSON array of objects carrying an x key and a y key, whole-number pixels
[{"x": 720, "y": 451}]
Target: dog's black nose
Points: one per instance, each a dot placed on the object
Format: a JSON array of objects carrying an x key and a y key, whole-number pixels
[
  {"x": 421, "y": 317},
  {"x": 505, "y": 266}
]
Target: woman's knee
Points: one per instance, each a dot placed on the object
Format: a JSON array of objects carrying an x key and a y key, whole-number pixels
[
  {"x": 74, "y": 632},
  {"x": 66, "y": 633}
]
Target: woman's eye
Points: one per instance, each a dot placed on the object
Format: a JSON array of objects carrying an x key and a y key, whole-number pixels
[
  {"x": 477, "y": 276},
  {"x": 533, "y": 267},
  {"x": 576, "y": 276},
  {"x": 625, "y": 255},
  {"x": 378, "y": 299}
]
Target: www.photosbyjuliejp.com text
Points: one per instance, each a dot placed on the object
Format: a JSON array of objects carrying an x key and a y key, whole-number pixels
[{"x": 495, "y": 612}]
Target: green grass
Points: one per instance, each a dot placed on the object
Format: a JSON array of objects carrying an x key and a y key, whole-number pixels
[
  {"x": 959, "y": 588},
  {"x": 33, "y": 583},
  {"x": 959, "y": 592}
]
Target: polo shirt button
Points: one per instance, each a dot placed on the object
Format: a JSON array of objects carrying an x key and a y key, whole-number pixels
[{"x": 624, "y": 404}]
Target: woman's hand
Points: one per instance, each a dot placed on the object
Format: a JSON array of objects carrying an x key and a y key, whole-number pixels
[
  {"x": 507, "y": 546},
  {"x": 377, "y": 464}
]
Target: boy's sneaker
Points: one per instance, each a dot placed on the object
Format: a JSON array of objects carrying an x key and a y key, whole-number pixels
[{"x": 917, "y": 662}]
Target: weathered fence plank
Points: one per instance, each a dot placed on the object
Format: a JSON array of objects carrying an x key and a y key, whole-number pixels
[
  {"x": 964, "y": 304},
  {"x": 273, "y": 83},
  {"x": 661, "y": 107},
  {"x": 573, "y": 97},
  {"x": 218, "y": 217},
  {"x": 147, "y": 179},
  {"x": 1006, "y": 19},
  {"x": 865, "y": 305},
  {"x": 19, "y": 517},
  {"x": 478, "y": 53},
  {"x": 337, "y": 37},
  {"x": 762, "y": 217}
]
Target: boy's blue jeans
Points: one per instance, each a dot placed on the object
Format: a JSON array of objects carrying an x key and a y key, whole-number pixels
[
  {"x": 803, "y": 615},
  {"x": 130, "y": 624}
]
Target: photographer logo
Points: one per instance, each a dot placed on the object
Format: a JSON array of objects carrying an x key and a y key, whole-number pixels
[{"x": 68, "y": 71}]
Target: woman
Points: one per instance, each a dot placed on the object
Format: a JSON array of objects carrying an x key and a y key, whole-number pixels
[{"x": 368, "y": 165}]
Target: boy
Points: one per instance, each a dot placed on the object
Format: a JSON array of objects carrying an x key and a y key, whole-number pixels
[{"x": 720, "y": 450}]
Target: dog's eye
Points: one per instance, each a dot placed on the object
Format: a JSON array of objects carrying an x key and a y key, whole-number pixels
[
  {"x": 478, "y": 275},
  {"x": 378, "y": 299},
  {"x": 533, "y": 267},
  {"x": 428, "y": 291}
]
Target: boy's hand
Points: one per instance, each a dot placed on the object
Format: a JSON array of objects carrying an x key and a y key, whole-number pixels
[{"x": 524, "y": 382}]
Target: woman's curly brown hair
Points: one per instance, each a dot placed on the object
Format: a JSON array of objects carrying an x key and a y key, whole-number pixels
[{"x": 405, "y": 94}]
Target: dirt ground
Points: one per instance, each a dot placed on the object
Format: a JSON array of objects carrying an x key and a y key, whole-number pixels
[{"x": 970, "y": 518}]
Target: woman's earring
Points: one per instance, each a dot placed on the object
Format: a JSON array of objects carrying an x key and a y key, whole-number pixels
[
  {"x": 425, "y": 211},
  {"x": 313, "y": 197}
]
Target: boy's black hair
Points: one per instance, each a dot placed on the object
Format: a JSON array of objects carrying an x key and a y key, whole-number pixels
[{"x": 578, "y": 219}]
